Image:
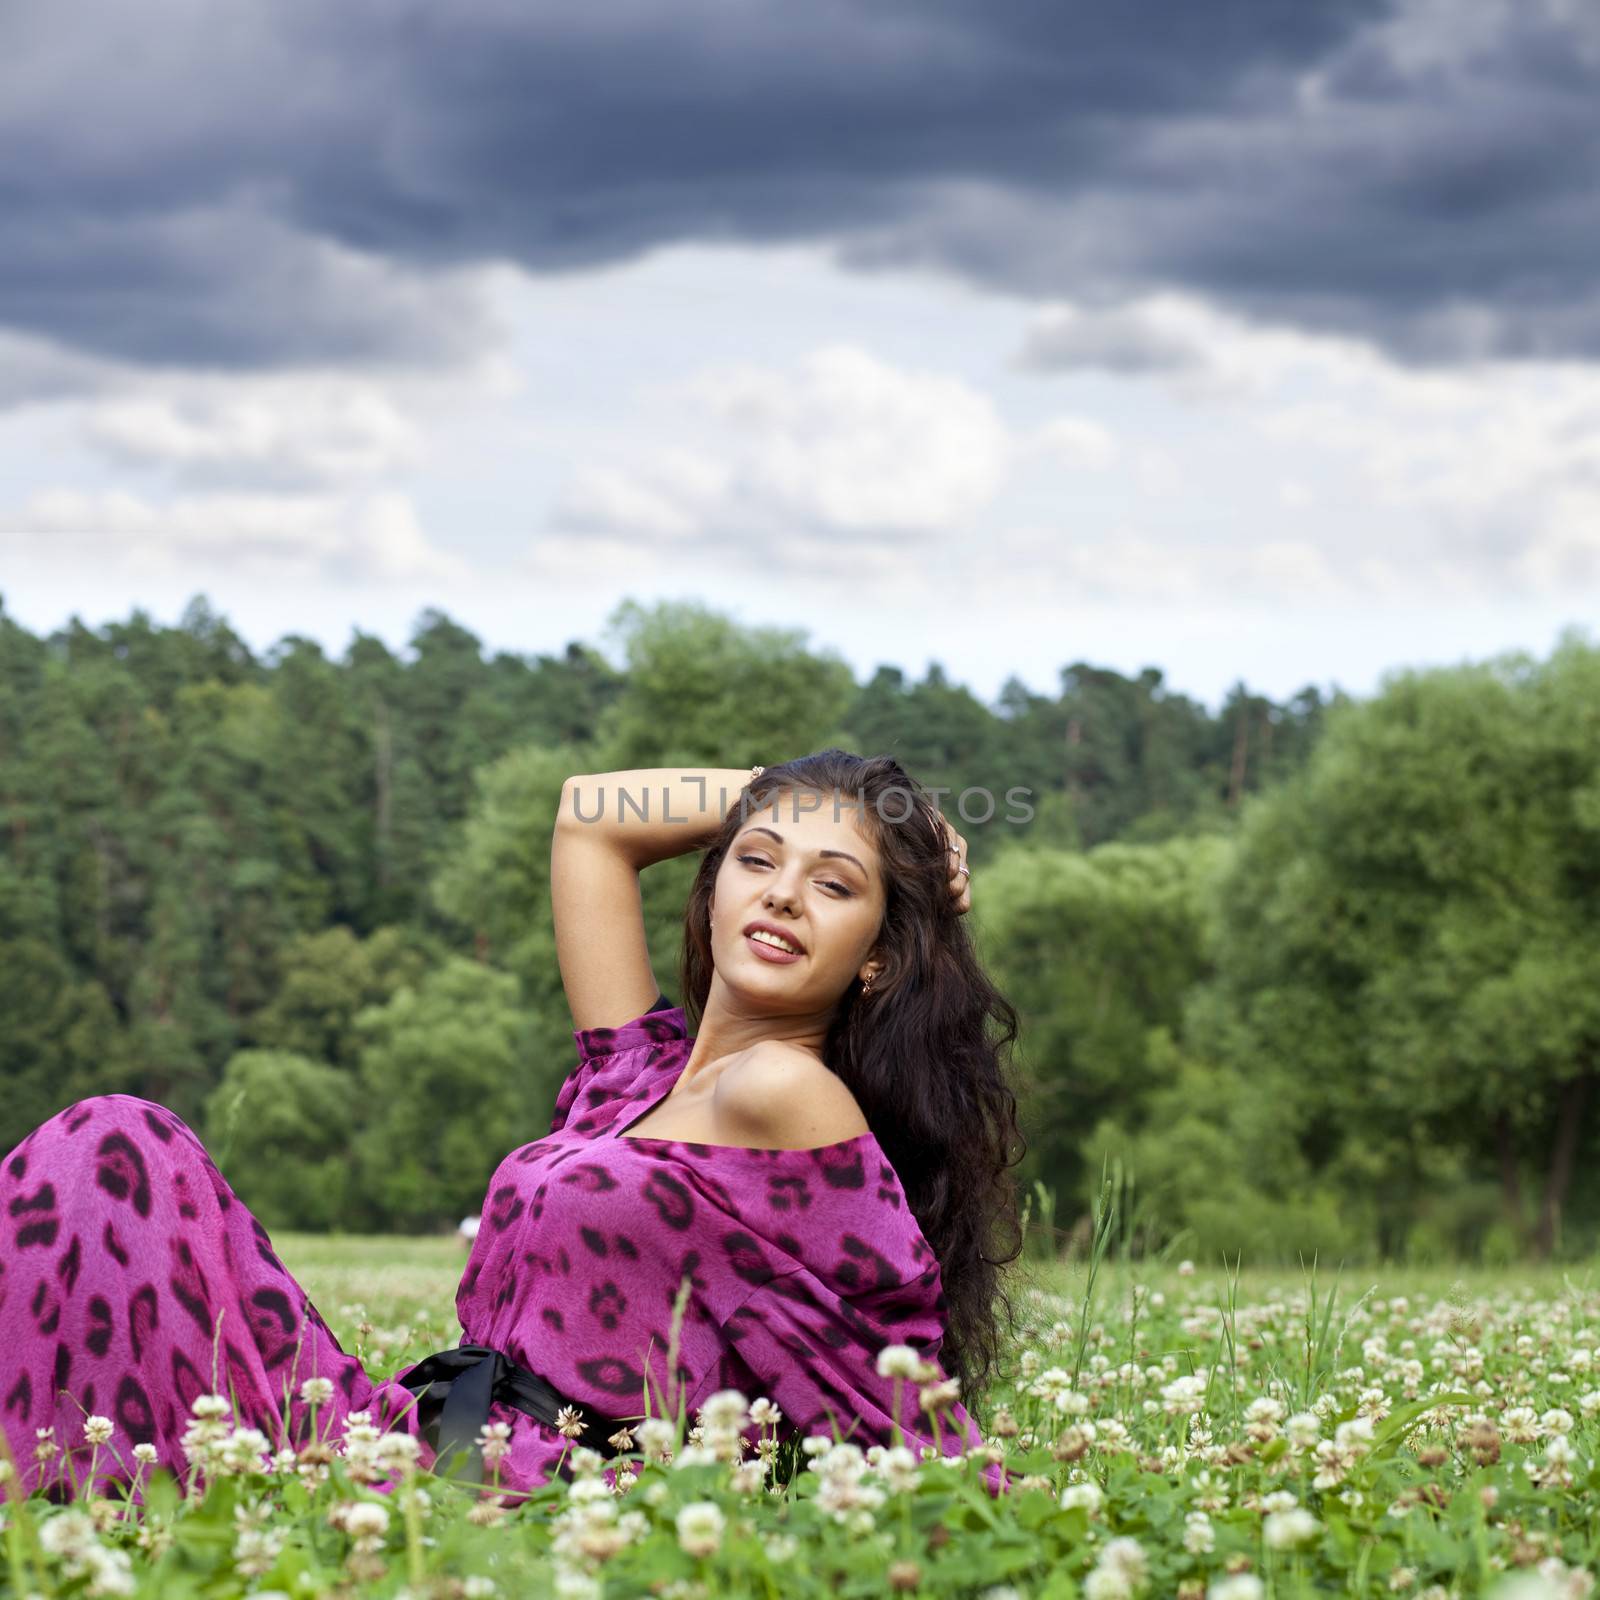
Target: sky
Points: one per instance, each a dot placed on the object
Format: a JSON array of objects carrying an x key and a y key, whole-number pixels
[{"x": 1254, "y": 342}]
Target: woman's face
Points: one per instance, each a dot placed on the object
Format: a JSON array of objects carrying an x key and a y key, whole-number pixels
[{"x": 818, "y": 880}]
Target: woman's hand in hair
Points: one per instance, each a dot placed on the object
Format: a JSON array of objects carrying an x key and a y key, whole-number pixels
[{"x": 960, "y": 882}]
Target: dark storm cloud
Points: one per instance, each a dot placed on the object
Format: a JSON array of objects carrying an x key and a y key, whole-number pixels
[{"x": 282, "y": 183}]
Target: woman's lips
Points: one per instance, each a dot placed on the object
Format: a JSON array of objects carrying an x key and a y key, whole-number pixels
[{"x": 770, "y": 952}]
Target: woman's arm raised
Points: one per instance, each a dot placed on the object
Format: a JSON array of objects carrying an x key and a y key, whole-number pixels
[{"x": 611, "y": 826}]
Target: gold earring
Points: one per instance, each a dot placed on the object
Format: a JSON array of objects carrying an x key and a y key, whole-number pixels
[{"x": 866, "y": 984}]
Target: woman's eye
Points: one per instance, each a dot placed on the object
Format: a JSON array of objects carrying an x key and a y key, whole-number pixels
[{"x": 828, "y": 883}]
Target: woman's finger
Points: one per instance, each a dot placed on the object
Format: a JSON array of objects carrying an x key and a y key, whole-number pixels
[{"x": 960, "y": 882}]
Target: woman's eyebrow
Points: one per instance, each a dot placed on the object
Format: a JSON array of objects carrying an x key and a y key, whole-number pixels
[{"x": 844, "y": 855}]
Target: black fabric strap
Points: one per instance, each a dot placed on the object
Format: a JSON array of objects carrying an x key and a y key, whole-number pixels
[
  {"x": 455, "y": 1389},
  {"x": 662, "y": 1004}
]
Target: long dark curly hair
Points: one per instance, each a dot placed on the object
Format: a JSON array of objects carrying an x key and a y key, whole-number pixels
[{"x": 922, "y": 1052}]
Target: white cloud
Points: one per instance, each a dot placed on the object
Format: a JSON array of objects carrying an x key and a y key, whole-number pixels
[
  {"x": 1164, "y": 334},
  {"x": 855, "y": 444},
  {"x": 843, "y": 446},
  {"x": 34, "y": 371},
  {"x": 373, "y": 538},
  {"x": 1493, "y": 469},
  {"x": 1202, "y": 353},
  {"x": 1074, "y": 440},
  {"x": 667, "y": 494},
  {"x": 301, "y": 431}
]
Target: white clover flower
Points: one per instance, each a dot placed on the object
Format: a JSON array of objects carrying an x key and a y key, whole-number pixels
[
  {"x": 898, "y": 1468},
  {"x": 1185, "y": 1395},
  {"x": 899, "y": 1361},
  {"x": 1265, "y": 1409},
  {"x": 1198, "y": 1536},
  {"x": 1556, "y": 1421},
  {"x": 1519, "y": 1424},
  {"x": 1279, "y": 1500},
  {"x": 571, "y": 1584},
  {"x": 1050, "y": 1382},
  {"x": 1127, "y": 1556},
  {"x": 1112, "y": 1435},
  {"x": 242, "y": 1450},
  {"x": 70, "y": 1536},
  {"x": 317, "y": 1391},
  {"x": 727, "y": 1408},
  {"x": 764, "y": 1413},
  {"x": 850, "y": 1499},
  {"x": 1107, "y": 1583},
  {"x": 1237, "y": 1586},
  {"x": 211, "y": 1407},
  {"x": 656, "y": 1437},
  {"x": 366, "y": 1520},
  {"x": 111, "y": 1570},
  {"x": 1120, "y": 1573},
  {"x": 145, "y": 1454},
  {"x": 1354, "y": 1435},
  {"x": 1087, "y": 1495},
  {"x": 1286, "y": 1530},
  {"x": 256, "y": 1549},
  {"x": 97, "y": 1430},
  {"x": 844, "y": 1459},
  {"x": 494, "y": 1441},
  {"x": 700, "y": 1526},
  {"x": 67, "y": 1532},
  {"x": 1372, "y": 1404}
]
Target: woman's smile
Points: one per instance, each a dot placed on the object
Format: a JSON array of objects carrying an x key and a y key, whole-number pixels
[{"x": 761, "y": 943}]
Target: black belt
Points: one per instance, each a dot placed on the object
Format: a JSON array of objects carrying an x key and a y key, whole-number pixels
[{"x": 455, "y": 1389}]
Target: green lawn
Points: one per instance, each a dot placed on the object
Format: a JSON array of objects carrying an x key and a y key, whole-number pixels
[
  {"x": 1429, "y": 1433},
  {"x": 405, "y": 1287}
]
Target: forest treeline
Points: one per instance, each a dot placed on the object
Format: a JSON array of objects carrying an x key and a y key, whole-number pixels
[{"x": 1314, "y": 976}]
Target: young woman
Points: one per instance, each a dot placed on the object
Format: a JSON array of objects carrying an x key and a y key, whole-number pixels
[{"x": 818, "y": 1172}]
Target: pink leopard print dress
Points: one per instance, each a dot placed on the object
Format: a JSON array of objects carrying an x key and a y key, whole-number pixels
[{"x": 134, "y": 1279}]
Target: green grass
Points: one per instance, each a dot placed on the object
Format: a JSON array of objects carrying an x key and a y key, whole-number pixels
[{"x": 1129, "y": 1417}]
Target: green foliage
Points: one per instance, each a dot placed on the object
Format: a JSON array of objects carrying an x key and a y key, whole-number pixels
[
  {"x": 326, "y": 978},
  {"x": 700, "y": 688},
  {"x": 279, "y": 1125},
  {"x": 1094, "y": 951},
  {"x": 1402, "y": 938},
  {"x": 446, "y": 1080},
  {"x": 1309, "y": 976}
]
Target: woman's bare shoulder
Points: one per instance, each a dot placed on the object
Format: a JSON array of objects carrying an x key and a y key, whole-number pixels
[{"x": 781, "y": 1095}]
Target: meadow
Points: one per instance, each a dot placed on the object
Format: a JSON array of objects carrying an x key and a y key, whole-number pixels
[{"x": 1167, "y": 1429}]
